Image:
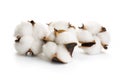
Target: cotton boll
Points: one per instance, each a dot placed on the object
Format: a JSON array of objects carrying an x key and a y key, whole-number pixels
[
  {"x": 41, "y": 30},
  {"x": 25, "y": 28},
  {"x": 95, "y": 48},
  {"x": 59, "y": 25},
  {"x": 49, "y": 49},
  {"x": 84, "y": 36},
  {"x": 93, "y": 27},
  {"x": 62, "y": 54},
  {"x": 57, "y": 53},
  {"x": 24, "y": 44},
  {"x": 105, "y": 38},
  {"x": 65, "y": 37}
]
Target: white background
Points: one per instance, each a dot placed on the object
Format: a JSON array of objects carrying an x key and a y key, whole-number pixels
[{"x": 105, "y": 66}]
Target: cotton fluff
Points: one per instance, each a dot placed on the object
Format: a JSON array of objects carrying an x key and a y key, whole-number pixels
[
  {"x": 58, "y": 39},
  {"x": 59, "y": 25},
  {"x": 28, "y": 46},
  {"x": 61, "y": 47},
  {"x": 56, "y": 52},
  {"x": 104, "y": 38},
  {"x": 25, "y": 28},
  {"x": 62, "y": 54},
  {"x": 29, "y": 37},
  {"x": 50, "y": 37},
  {"x": 50, "y": 49},
  {"x": 41, "y": 30},
  {"x": 24, "y": 44},
  {"x": 65, "y": 37},
  {"x": 93, "y": 49},
  {"x": 92, "y": 27},
  {"x": 93, "y": 37},
  {"x": 84, "y": 36}
]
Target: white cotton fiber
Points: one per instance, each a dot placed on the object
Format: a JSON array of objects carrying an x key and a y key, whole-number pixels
[
  {"x": 49, "y": 49},
  {"x": 29, "y": 37},
  {"x": 36, "y": 47},
  {"x": 59, "y": 25},
  {"x": 93, "y": 27},
  {"x": 57, "y": 40},
  {"x": 40, "y": 30},
  {"x": 63, "y": 55},
  {"x": 73, "y": 31},
  {"x": 84, "y": 36},
  {"x": 24, "y": 44},
  {"x": 50, "y": 37},
  {"x": 25, "y": 28},
  {"x": 65, "y": 37},
  {"x": 104, "y": 38}
]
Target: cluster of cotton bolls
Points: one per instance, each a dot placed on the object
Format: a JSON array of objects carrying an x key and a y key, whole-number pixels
[{"x": 57, "y": 40}]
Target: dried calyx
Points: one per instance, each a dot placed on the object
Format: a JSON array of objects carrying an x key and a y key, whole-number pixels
[
  {"x": 56, "y": 59},
  {"x": 70, "y": 47},
  {"x": 17, "y": 39},
  {"x": 103, "y": 29},
  {"x": 56, "y": 32},
  {"x": 82, "y": 27},
  {"x": 70, "y": 26},
  {"x": 88, "y": 44},
  {"x": 29, "y": 53},
  {"x": 32, "y": 22},
  {"x": 105, "y": 46}
]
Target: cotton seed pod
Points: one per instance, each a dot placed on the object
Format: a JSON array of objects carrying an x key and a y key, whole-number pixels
[
  {"x": 59, "y": 25},
  {"x": 24, "y": 28},
  {"x": 64, "y": 37},
  {"x": 92, "y": 47},
  {"x": 84, "y": 36},
  {"x": 27, "y": 45},
  {"x": 92, "y": 27},
  {"x": 63, "y": 54},
  {"x": 104, "y": 38},
  {"x": 59, "y": 53},
  {"x": 27, "y": 42}
]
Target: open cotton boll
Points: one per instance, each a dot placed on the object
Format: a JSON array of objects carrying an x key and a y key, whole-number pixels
[
  {"x": 84, "y": 36},
  {"x": 62, "y": 54},
  {"x": 65, "y": 37},
  {"x": 24, "y": 44},
  {"x": 58, "y": 53},
  {"x": 59, "y": 25},
  {"x": 41, "y": 30},
  {"x": 93, "y": 49},
  {"x": 49, "y": 49},
  {"x": 105, "y": 39},
  {"x": 24, "y": 28},
  {"x": 93, "y": 27}
]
